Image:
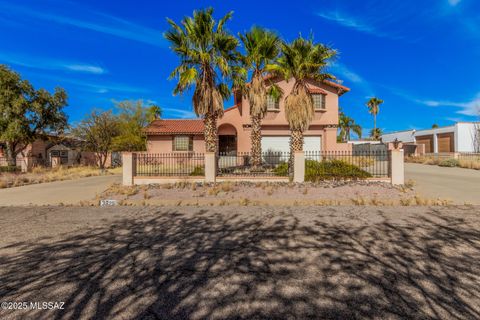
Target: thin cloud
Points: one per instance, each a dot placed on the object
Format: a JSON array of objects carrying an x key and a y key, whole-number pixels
[
  {"x": 98, "y": 22},
  {"x": 96, "y": 87},
  {"x": 470, "y": 108},
  {"x": 345, "y": 73},
  {"x": 348, "y": 21},
  {"x": 85, "y": 68},
  {"x": 179, "y": 113},
  {"x": 49, "y": 64},
  {"x": 467, "y": 108},
  {"x": 453, "y": 3}
]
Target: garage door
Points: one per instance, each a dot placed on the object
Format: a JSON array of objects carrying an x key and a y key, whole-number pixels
[
  {"x": 445, "y": 142},
  {"x": 282, "y": 143},
  {"x": 427, "y": 141}
]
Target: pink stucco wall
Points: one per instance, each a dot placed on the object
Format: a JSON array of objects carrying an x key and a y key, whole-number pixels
[
  {"x": 275, "y": 122},
  {"x": 236, "y": 121},
  {"x": 164, "y": 144}
]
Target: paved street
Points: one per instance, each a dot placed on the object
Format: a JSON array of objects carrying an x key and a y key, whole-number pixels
[
  {"x": 242, "y": 262},
  {"x": 66, "y": 192},
  {"x": 457, "y": 184}
]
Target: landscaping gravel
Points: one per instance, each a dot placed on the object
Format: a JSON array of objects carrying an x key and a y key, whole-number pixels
[{"x": 342, "y": 262}]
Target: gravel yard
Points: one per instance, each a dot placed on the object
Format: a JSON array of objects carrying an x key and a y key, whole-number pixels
[
  {"x": 267, "y": 194},
  {"x": 339, "y": 262}
]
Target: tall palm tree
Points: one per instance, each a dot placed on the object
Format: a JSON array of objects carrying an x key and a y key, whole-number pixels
[
  {"x": 261, "y": 49},
  {"x": 374, "y": 107},
  {"x": 208, "y": 56},
  {"x": 301, "y": 60},
  {"x": 346, "y": 125},
  {"x": 376, "y": 133}
]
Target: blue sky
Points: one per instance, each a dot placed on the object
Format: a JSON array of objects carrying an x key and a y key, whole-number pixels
[{"x": 421, "y": 57}]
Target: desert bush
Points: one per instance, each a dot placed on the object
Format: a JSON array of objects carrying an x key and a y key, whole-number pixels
[
  {"x": 9, "y": 169},
  {"x": 197, "y": 171},
  {"x": 327, "y": 170},
  {"x": 363, "y": 161},
  {"x": 448, "y": 163}
]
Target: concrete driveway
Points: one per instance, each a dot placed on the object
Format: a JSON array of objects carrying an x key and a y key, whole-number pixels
[
  {"x": 456, "y": 184},
  {"x": 66, "y": 192}
]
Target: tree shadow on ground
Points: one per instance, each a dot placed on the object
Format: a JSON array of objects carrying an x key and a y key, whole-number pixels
[{"x": 170, "y": 265}]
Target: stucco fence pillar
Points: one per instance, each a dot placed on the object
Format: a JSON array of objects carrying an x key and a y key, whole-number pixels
[
  {"x": 210, "y": 167},
  {"x": 56, "y": 162},
  {"x": 128, "y": 169},
  {"x": 26, "y": 164},
  {"x": 397, "y": 167},
  {"x": 299, "y": 167}
]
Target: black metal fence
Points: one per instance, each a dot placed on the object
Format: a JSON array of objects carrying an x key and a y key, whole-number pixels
[
  {"x": 6, "y": 167},
  {"x": 369, "y": 147},
  {"x": 3, "y": 162},
  {"x": 169, "y": 164},
  {"x": 375, "y": 163},
  {"x": 240, "y": 164}
]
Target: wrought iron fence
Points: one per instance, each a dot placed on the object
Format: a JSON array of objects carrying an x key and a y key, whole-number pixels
[
  {"x": 4, "y": 162},
  {"x": 319, "y": 165},
  {"x": 169, "y": 164},
  {"x": 241, "y": 164},
  {"x": 347, "y": 164}
]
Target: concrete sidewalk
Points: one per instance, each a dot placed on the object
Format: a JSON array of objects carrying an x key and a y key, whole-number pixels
[
  {"x": 456, "y": 184},
  {"x": 66, "y": 192}
]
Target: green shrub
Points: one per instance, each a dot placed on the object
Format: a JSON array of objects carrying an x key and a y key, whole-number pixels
[
  {"x": 9, "y": 169},
  {"x": 327, "y": 170},
  {"x": 449, "y": 163},
  {"x": 198, "y": 171},
  {"x": 281, "y": 169}
]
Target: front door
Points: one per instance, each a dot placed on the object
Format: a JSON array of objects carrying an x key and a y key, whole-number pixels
[{"x": 227, "y": 145}]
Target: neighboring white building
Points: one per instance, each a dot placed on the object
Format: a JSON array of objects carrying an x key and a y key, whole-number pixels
[
  {"x": 355, "y": 142},
  {"x": 460, "y": 137}
]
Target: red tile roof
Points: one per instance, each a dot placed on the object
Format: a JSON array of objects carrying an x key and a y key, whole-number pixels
[
  {"x": 342, "y": 89},
  {"x": 336, "y": 85},
  {"x": 317, "y": 91},
  {"x": 175, "y": 126},
  {"x": 231, "y": 108}
]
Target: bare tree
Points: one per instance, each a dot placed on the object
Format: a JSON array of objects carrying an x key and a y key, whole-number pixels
[
  {"x": 98, "y": 131},
  {"x": 476, "y": 136}
]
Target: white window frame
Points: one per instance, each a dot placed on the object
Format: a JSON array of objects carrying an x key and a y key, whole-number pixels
[
  {"x": 184, "y": 147},
  {"x": 272, "y": 105},
  {"x": 323, "y": 104}
]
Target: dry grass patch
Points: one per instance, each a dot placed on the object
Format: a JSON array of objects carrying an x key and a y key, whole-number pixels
[
  {"x": 445, "y": 161},
  {"x": 42, "y": 175},
  {"x": 469, "y": 164}
]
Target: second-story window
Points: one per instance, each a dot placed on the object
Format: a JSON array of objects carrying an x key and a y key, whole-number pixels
[
  {"x": 272, "y": 104},
  {"x": 319, "y": 101}
]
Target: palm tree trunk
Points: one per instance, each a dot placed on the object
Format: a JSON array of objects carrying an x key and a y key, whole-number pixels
[
  {"x": 256, "y": 139},
  {"x": 374, "y": 122},
  {"x": 210, "y": 122},
  {"x": 296, "y": 142}
]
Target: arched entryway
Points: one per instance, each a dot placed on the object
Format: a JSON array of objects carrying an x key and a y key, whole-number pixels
[{"x": 227, "y": 139}]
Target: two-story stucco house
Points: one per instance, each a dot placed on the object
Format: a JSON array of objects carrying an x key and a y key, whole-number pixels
[{"x": 165, "y": 136}]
